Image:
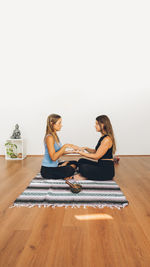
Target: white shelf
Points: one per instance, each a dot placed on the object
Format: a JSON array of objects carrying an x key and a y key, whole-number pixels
[
  {"x": 19, "y": 151},
  {"x": 14, "y": 139}
]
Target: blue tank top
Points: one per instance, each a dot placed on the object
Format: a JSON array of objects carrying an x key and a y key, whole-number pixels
[{"x": 47, "y": 161}]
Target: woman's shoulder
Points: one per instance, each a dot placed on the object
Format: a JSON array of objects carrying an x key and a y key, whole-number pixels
[
  {"x": 107, "y": 139},
  {"x": 52, "y": 139},
  {"x": 49, "y": 137}
]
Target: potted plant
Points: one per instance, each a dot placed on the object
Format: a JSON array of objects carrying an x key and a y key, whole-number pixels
[{"x": 11, "y": 150}]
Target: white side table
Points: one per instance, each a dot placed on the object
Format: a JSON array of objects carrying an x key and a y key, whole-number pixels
[{"x": 14, "y": 149}]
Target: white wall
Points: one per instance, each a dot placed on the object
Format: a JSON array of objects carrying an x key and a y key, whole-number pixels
[{"x": 79, "y": 59}]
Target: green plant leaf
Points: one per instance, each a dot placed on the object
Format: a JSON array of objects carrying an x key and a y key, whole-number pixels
[{"x": 6, "y": 144}]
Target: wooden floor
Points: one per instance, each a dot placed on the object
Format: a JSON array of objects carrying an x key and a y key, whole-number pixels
[{"x": 60, "y": 237}]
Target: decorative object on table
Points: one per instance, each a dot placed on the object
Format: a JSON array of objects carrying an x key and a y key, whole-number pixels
[
  {"x": 19, "y": 155},
  {"x": 75, "y": 188},
  {"x": 11, "y": 150},
  {"x": 15, "y": 149},
  {"x": 16, "y": 133},
  {"x": 116, "y": 160},
  {"x": 56, "y": 193}
]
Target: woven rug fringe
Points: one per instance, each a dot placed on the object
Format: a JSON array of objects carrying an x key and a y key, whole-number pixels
[{"x": 71, "y": 206}]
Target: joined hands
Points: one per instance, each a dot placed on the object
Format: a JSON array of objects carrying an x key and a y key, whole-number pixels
[{"x": 76, "y": 149}]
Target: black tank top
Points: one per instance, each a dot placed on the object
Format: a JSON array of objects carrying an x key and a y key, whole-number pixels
[{"x": 108, "y": 154}]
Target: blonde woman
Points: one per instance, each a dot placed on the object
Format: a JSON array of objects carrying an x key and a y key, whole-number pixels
[
  {"x": 103, "y": 166},
  {"x": 51, "y": 168}
]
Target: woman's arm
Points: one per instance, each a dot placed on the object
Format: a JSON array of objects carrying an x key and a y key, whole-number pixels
[
  {"x": 71, "y": 152},
  {"x": 90, "y": 150},
  {"x": 51, "y": 149},
  {"x": 100, "y": 151}
]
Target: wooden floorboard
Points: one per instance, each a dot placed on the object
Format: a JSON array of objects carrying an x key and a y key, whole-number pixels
[{"x": 45, "y": 237}]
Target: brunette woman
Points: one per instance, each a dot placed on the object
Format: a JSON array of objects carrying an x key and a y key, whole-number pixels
[{"x": 98, "y": 163}]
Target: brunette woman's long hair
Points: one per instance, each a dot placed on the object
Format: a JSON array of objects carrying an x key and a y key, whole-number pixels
[
  {"x": 107, "y": 128},
  {"x": 51, "y": 120}
]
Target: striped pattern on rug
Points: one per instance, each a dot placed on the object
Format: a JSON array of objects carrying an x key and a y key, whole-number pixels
[{"x": 56, "y": 193}]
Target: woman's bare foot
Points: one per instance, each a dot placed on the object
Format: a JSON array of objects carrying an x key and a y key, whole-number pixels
[
  {"x": 68, "y": 178},
  {"x": 74, "y": 166},
  {"x": 78, "y": 177},
  {"x": 63, "y": 164}
]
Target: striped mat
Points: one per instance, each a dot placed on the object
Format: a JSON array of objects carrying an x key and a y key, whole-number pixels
[{"x": 56, "y": 193}]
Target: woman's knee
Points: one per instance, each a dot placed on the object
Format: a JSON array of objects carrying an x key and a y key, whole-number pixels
[
  {"x": 42, "y": 173},
  {"x": 83, "y": 168},
  {"x": 70, "y": 170}
]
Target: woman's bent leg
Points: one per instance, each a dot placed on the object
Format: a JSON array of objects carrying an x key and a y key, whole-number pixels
[
  {"x": 87, "y": 161},
  {"x": 104, "y": 170},
  {"x": 92, "y": 172},
  {"x": 73, "y": 163},
  {"x": 57, "y": 172}
]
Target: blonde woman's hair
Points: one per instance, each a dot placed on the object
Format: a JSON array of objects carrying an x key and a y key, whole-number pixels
[
  {"x": 51, "y": 120},
  {"x": 107, "y": 128}
]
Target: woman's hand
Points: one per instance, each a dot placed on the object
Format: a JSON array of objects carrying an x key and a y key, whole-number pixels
[
  {"x": 78, "y": 148},
  {"x": 71, "y": 146},
  {"x": 83, "y": 148},
  {"x": 75, "y": 147},
  {"x": 67, "y": 146},
  {"x": 79, "y": 152}
]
